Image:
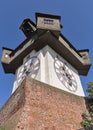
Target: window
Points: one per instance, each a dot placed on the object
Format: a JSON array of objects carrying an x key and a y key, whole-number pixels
[
  {"x": 84, "y": 56},
  {"x": 48, "y": 21}
]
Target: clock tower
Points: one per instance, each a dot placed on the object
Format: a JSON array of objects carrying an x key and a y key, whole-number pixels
[
  {"x": 47, "y": 91},
  {"x": 47, "y": 56}
]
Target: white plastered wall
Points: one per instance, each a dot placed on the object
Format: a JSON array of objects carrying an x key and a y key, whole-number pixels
[
  {"x": 50, "y": 74},
  {"x": 47, "y": 72}
]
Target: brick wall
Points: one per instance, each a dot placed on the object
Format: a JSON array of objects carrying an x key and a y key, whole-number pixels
[
  {"x": 9, "y": 113},
  {"x": 37, "y": 106}
]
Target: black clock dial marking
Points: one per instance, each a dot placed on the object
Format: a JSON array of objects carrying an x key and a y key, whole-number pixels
[{"x": 65, "y": 75}]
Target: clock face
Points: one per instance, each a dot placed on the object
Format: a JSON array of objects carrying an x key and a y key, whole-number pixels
[
  {"x": 29, "y": 68},
  {"x": 65, "y": 75}
]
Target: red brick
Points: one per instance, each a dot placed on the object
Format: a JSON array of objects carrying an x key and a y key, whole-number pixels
[{"x": 37, "y": 106}]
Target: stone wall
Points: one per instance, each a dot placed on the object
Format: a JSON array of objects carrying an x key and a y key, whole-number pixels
[{"x": 38, "y": 106}]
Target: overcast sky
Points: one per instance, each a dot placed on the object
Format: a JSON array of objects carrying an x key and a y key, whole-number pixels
[{"x": 76, "y": 18}]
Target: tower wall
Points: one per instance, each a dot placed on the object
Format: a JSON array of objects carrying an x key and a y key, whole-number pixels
[
  {"x": 51, "y": 72},
  {"x": 35, "y": 106}
]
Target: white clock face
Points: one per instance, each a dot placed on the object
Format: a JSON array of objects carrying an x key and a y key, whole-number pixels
[
  {"x": 29, "y": 68},
  {"x": 65, "y": 75}
]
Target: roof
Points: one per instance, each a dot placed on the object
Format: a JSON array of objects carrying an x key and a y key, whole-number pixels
[
  {"x": 47, "y": 16},
  {"x": 38, "y": 40}
]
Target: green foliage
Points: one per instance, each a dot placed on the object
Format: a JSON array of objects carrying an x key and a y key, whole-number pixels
[
  {"x": 87, "y": 122},
  {"x": 90, "y": 89}
]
